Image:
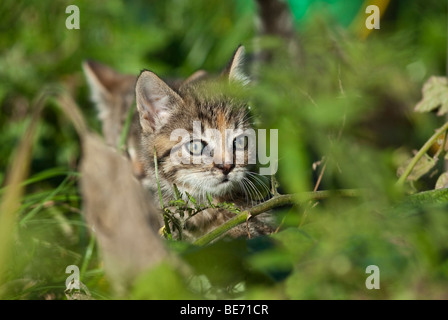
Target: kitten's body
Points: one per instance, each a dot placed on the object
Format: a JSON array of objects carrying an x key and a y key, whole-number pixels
[{"x": 163, "y": 109}]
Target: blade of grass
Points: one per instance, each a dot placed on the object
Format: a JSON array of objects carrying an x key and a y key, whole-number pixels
[
  {"x": 126, "y": 127},
  {"x": 17, "y": 173},
  {"x": 33, "y": 212},
  {"x": 44, "y": 175},
  {"x": 87, "y": 256}
]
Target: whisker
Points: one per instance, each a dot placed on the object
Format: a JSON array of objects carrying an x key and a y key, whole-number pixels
[
  {"x": 258, "y": 193},
  {"x": 263, "y": 184},
  {"x": 251, "y": 190},
  {"x": 244, "y": 190},
  {"x": 247, "y": 191}
]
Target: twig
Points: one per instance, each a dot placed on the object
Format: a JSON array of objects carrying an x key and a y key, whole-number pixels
[
  {"x": 316, "y": 186},
  {"x": 274, "y": 202},
  {"x": 320, "y": 177}
]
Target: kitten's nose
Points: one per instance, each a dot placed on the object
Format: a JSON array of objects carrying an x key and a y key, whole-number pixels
[{"x": 226, "y": 168}]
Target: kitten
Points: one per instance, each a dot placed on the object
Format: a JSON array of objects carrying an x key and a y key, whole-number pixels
[{"x": 162, "y": 110}]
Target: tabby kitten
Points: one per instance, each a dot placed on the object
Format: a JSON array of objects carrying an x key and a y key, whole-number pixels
[{"x": 163, "y": 110}]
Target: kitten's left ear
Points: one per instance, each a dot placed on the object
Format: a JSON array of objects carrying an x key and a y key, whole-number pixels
[
  {"x": 235, "y": 67},
  {"x": 155, "y": 100}
]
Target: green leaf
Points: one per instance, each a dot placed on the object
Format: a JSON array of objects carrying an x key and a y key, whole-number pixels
[
  {"x": 414, "y": 203},
  {"x": 210, "y": 200},
  {"x": 177, "y": 203},
  {"x": 192, "y": 199},
  {"x": 200, "y": 284},
  {"x": 177, "y": 193},
  {"x": 435, "y": 94},
  {"x": 429, "y": 197}
]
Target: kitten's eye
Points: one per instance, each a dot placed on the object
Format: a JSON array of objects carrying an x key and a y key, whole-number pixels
[
  {"x": 240, "y": 143},
  {"x": 195, "y": 147}
]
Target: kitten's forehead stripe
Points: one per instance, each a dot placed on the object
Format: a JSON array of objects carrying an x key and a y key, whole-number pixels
[{"x": 221, "y": 122}]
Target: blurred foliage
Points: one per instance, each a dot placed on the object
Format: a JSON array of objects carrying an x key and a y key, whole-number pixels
[{"x": 345, "y": 102}]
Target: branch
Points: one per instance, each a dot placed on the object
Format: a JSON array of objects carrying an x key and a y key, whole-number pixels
[
  {"x": 276, "y": 201},
  {"x": 420, "y": 154}
]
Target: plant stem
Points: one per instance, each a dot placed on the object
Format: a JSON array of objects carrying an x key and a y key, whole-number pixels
[
  {"x": 165, "y": 214},
  {"x": 87, "y": 256},
  {"x": 277, "y": 201},
  {"x": 420, "y": 154},
  {"x": 126, "y": 127},
  {"x": 157, "y": 179}
]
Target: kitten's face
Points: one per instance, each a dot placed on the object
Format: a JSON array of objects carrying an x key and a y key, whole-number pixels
[
  {"x": 199, "y": 134},
  {"x": 210, "y": 152}
]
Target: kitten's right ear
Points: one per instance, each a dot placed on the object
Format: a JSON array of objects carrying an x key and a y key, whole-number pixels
[
  {"x": 104, "y": 82},
  {"x": 100, "y": 78},
  {"x": 155, "y": 99}
]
